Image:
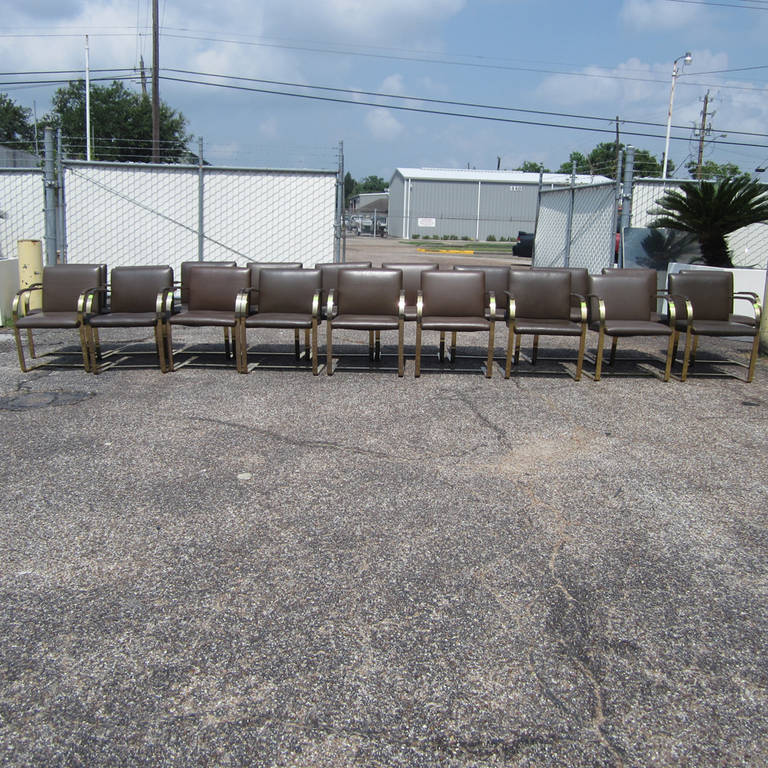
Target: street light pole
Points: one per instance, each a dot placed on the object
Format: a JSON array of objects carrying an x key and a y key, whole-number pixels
[{"x": 686, "y": 59}]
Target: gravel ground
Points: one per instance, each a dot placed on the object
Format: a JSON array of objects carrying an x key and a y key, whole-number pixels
[{"x": 206, "y": 568}]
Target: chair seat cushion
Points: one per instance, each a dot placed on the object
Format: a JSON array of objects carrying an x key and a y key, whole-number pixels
[
  {"x": 366, "y": 322},
  {"x": 279, "y": 320},
  {"x": 722, "y": 328},
  {"x": 124, "y": 320},
  {"x": 201, "y": 317},
  {"x": 547, "y": 327},
  {"x": 446, "y": 323},
  {"x": 49, "y": 320},
  {"x": 745, "y": 319},
  {"x": 633, "y": 328}
]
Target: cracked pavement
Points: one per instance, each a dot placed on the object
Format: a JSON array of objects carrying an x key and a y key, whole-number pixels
[{"x": 205, "y": 568}]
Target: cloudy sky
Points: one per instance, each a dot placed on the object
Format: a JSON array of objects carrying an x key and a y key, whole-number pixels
[{"x": 531, "y": 65}]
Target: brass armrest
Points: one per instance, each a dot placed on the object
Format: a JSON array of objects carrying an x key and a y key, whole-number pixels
[
  {"x": 582, "y": 306},
  {"x": 243, "y": 303},
  {"x": 419, "y": 306},
  {"x": 492, "y": 304},
  {"x": 24, "y": 293},
  {"x": 316, "y": 304},
  {"x": 164, "y": 302},
  {"x": 401, "y": 306},
  {"x": 511, "y": 307},
  {"x": 600, "y": 307},
  {"x": 85, "y": 301},
  {"x": 671, "y": 299},
  {"x": 753, "y": 299},
  {"x": 329, "y": 305}
]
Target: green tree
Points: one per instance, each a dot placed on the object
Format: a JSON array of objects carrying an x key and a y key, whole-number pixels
[
  {"x": 602, "y": 161},
  {"x": 711, "y": 210},
  {"x": 121, "y": 121},
  {"x": 716, "y": 171},
  {"x": 16, "y": 130},
  {"x": 370, "y": 184},
  {"x": 529, "y": 166}
]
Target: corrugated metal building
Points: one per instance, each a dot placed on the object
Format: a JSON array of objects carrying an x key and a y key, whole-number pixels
[{"x": 468, "y": 203}]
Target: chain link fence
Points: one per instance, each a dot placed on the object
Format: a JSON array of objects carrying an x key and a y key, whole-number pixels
[
  {"x": 22, "y": 208},
  {"x": 576, "y": 227}
]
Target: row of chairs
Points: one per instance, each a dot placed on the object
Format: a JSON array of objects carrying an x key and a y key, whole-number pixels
[{"x": 355, "y": 296}]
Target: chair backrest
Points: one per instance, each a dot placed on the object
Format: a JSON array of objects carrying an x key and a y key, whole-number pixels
[
  {"x": 257, "y": 266},
  {"x": 135, "y": 289},
  {"x": 330, "y": 273},
  {"x": 709, "y": 291},
  {"x": 579, "y": 278},
  {"x": 625, "y": 297},
  {"x": 411, "y": 278},
  {"x": 369, "y": 291},
  {"x": 541, "y": 294},
  {"x": 288, "y": 291},
  {"x": 645, "y": 275},
  {"x": 496, "y": 279},
  {"x": 186, "y": 270},
  {"x": 215, "y": 289},
  {"x": 453, "y": 294},
  {"x": 63, "y": 284}
]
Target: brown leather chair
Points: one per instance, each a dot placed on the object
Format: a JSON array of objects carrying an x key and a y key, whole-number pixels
[
  {"x": 539, "y": 304},
  {"x": 411, "y": 283},
  {"x": 620, "y": 308},
  {"x": 579, "y": 287},
  {"x": 454, "y": 301},
  {"x": 370, "y": 300},
  {"x": 288, "y": 298},
  {"x": 138, "y": 297},
  {"x": 748, "y": 295},
  {"x": 496, "y": 282},
  {"x": 70, "y": 293},
  {"x": 213, "y": 297},
  {"x": 330, "y": 276},
  {"x": 709, "y": 296},
  {"x": 186, "y": 271}
]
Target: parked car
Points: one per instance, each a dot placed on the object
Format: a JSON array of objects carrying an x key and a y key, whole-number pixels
[{"x": 524, "y": 245}]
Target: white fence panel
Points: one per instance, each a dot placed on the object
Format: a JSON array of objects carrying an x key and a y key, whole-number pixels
[
  {"x": 552, "y": 228},
  {"x": 22, "y": 209},
  {"x": 269, "y": 215}
]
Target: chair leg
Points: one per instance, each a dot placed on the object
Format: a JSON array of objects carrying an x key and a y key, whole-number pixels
[
  {"x": 614, "y": 344},
  {"x": 227, "y": 353},
  {"x": 753, "y": 358},
  {"x": 686, "y": 355},
  {"x": 242, "y": 347},
  {"x": 314, "y": 345},
  {"x": 159, "y": 345},
  {"x": 329, "y": 348},
  {"x": 491, "y": 344},
  {"x": 518, "y": 344},
  {"x": 169, "y": 342},
  {"x": 670, "y": 348},
  {"x": 377, "y": 353},
  {"x": 94, "y": 366},
  {"x": 693, "y": 350},
  {"x": 307, "y": 347},
  {"x": 296, "y": 343},
  {"x": 580, "y": 358},
  {"x": 84, "y": 348},
  {"x": 20, "y": 350},
  {"x": 453, "y": 346},
  {"x": 599, "y": 355},
  {"x": 510, "y": 344},
  {"x": 371, "y": 352},
  {"x": 441, "y": 353},
  {"x": 400, "y": 349},
  {"x": 417, "y": 360},
  {"x": 31, "y": 344},
  {"x": 535, "y": 349}
]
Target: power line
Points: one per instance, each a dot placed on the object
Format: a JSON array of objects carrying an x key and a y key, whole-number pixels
[{"x": 442, "y": 113}]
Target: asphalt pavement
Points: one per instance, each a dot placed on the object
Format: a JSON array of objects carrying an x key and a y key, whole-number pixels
[{"x": 208, "y": 568}]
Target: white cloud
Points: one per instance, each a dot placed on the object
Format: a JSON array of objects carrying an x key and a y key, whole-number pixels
[
  {"x": 659, "y": 14},
  {"x": 392, "y": 84},
  {"x": 383, "y": 125}
]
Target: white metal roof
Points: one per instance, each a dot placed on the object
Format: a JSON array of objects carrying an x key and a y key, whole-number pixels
[{"x": 506, "y": 177}]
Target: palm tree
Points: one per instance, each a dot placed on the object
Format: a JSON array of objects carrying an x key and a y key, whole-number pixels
[{"x": 711, "y": 210}]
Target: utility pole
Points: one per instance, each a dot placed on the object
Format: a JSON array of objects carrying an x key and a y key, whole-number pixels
[
  {"x": 143, "y": 75},
  {"x": 618, "y": 149},
  {"x": 155, "y": 84},
  {"x": 702, "y": 133}
]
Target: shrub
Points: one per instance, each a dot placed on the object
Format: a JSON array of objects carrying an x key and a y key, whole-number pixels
[
  {"x": 415, "y": 237},
  {"x": 491, "y": 238}
]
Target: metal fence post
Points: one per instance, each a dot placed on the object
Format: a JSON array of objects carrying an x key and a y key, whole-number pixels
[
  {"x": 626, "y": 199},
  {"x": 49, "y": 183},
  {"x": 569, "y": 222},
  {"x": 200, "y": 203},
  {"x": 61, "y": 219},
  {"x": 339, "y": 254}
]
